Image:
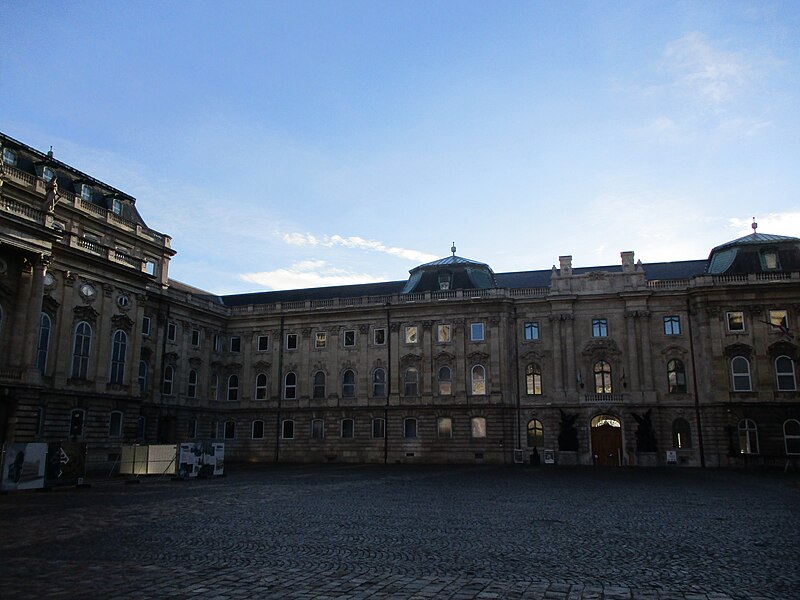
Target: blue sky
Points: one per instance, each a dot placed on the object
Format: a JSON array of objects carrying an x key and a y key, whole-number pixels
[{"x": 296, "y": 144}]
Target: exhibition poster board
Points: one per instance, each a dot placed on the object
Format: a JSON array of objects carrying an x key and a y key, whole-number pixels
[
  {"x": 66, "y": 463},
  {"x": 24, "y": 466}
]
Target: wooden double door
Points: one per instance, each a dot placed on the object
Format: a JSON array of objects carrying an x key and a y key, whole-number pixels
[{"x": 607, "y": 445}]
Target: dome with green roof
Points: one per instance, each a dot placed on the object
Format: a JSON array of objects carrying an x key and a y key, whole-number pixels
[
  {"x": 755, "y": 253},
  {"x": 450, "y": 273}
]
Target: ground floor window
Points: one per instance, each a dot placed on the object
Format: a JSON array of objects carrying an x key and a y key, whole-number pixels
[
  {"x": 748, "y": 437},
  {"x": 410, "y": 428},
  {"x": 681, "y": 434},
  {"x": 444, "y": 427},
  {"x": 378, "y": 428},
  {"x": 257, "y": 430},
  {"x": 535, "y": 434},
  {"x": 287, "y": 429},
  {"x": 791, "y": 436}
]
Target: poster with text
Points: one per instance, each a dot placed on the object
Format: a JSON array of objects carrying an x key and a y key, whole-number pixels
[{"x": 23, "y": 466}]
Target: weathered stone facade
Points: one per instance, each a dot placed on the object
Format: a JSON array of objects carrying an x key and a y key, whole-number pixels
[{"x": 606, "y": 365}]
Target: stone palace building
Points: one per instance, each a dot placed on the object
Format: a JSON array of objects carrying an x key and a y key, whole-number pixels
[{"x": 632, "y": 364}]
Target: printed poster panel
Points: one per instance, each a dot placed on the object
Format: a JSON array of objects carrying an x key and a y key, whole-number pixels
[
  {"x": 23, "y": 466},
  {"x": 202, "y": 458},
  {"x": 219, "y": 458},
  {"x": 549, "y": 457},
  {"x": 189, "y": 459},
  {"x": 66, "y": 463}
]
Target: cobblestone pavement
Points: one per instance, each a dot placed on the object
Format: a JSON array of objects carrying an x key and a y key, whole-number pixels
[{"x": 401, "y": 532}]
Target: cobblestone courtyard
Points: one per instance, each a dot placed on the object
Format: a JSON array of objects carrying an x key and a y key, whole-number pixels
[{"x": 402, "y": 532}]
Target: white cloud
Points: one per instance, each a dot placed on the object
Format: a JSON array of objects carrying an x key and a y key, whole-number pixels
[
  {"x": 355, "y": 242},
  {"x": 785, "y": 223},
  {"x": 307, "y": 274}
]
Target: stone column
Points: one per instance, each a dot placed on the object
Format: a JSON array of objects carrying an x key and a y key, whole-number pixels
[
  {"x": 20, "y": 316},
  {"x": 572, "y": 373},
  {"x": 644, "y": 323},
  {"x": 135, "y": 345},
  {"x": 558, "y": 368},
  {"x": 100, "y": 359},
  {"x": 66, "y": 324},
  {"x": 494, "y": 372},
  {"x": 394, "y": 339},
  {"x": 426, "y": 367},
  {"x": 34, "y": 310},
  {"x": 460, "y": 367},
  {"x": 633, "y": 351}
]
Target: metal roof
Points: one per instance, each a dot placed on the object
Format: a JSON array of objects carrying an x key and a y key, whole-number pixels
[
  {"x": 450, "y": 261},
  {"x": 756, "y": 238}
]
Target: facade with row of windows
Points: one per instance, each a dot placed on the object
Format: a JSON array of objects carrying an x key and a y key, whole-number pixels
[{"x": 615, "y": 365}]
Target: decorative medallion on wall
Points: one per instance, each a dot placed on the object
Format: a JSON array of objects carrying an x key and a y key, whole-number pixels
[
  {"x": 123, "y": 301},
  {"x": 88, "y": 292}
]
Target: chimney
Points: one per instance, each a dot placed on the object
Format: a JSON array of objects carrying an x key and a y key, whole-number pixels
[
  {"x": 627, "y": 261},
  {"x": 566, "y": 265}
]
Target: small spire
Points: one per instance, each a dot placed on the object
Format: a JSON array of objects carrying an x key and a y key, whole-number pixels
[
  {"x": 453, "y": 248},
  {"x": 754, "y": 225},
  {"x": 50, "y": 153}
]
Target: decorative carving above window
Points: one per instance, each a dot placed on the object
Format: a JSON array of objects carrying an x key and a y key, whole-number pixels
[{"x": 85, "y": 313}]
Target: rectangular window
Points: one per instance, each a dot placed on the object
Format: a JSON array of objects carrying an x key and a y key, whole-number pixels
[
  {"x": 263, "y": 343},
  {"x": 317, "y": 429},
  {"x": 478, "y": 427},
  {"x": 735, "y": 321},
  {"x": 145, "y": 326},
  {"x": 191, "y": 431},
  {"x": 378, "y": 428},
  {"x": 350, "y": 337},
  {"x": 291, "y": 341},
  {"x": 779, "y": 319},
  {"x": 531, "y": 331},
  {"x": 379, "y": 336},
  {"x": 672, "y": 325},
  {"x": 257, "y": 430},
  {"x": 444, "y": 334},
  {"x": 410, "y": 428},
  {"x": 236, "y": 344},
  {"x": 444, "y": 427},
  {"x": 287, "y": 430},
  {"x": 195, "y": 337},
  {"x": 320, "y": 339},
  {"x": 476, "y": 333},
  {"x": 348, "y": 429},
  {"x": 172, "y": 332},
  {"x": 230, "y": 430},
  {"x": 599, "y": 327},
  {"x": 115, "y": 425},
  {"x": 150, "y": 267},
  {"x": 411, "y": 334},
  {"x": 217, "y": 342}
]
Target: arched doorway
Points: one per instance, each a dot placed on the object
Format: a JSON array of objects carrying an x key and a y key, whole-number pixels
[{"x": 607, "y": 440}]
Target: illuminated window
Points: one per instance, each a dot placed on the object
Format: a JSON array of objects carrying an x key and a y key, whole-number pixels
[
  {"x": 602, "y": 377},
  {"x": 533, "y": 379},
  {"x": 769, "y": 260},
  {"x": 444, "y": 427},
  {"x": 320, "y": 339},
  {"x": 676, "y": 377},
  {"x": 535, "y": 434},
  {"x": 411, "y": 334},
  {"x": 478, "y": 380},
  {"x": 779, "y": 319},
  {"x": 443, "y": 334},
  {"x": 735, "y": 321},
  {"x": 478, "y": 427}
]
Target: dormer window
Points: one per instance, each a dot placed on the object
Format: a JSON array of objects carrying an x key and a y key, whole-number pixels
[
  {"x": 48, "y": 174},
  {"x": 86, "y": 192},
  {"x": 445, "y": 280},
  {"x": 9, "y": 157},
  {"x": 116, "y": 206},
  {"x": 769, "y": 260}
]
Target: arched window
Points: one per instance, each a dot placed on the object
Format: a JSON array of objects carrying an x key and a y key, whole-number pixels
[
  {"x": 535, "y": 434},
  {"x": 748, "y": 437},
  {"x": 319, "y": 385},
  {"x": 676, "y": 377},
  {"x": 478, "y": 426},
  {"x": 602, "y": 377},
  {"x": 233, "y": 387},
  {"x": 169, "y": 377},
  {"x": 533, "y": 379},
  {"x": 348, "y": 428},
  {"x": 681, "y": 434},
  {"x": 261, "y": 386},
  {"x": 115, "y": 424},
  {"x": 119, "y": 347},
  {"x": 290, "y": 388},
  {"x": 349, "y": 384},
  {"x": 143, "y": 377},
  {"x": 80, "y": 350},
  {"x": 44, "y": 342},
  {"x": 379, "y": 383},
  {"x": 411, "y": 382},
  {"x": 191, "y": 388},
  {"x": 784, "y": 371},
  {"x": 478, "y": 380},
  {"x": 409, "y": 427},
  {"x": 445, "y": 378},
  {"x": 740, "y": 371},
  {"x": 791, "y": 436}
]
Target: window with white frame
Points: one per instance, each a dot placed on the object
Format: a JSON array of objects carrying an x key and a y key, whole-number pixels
[
  {"x": 195, "y": 337},
  {"x": 230, "y": 430},
  {"x": 235, "y": 344},
  {"x": 349, "y": 338},
  {"x": 233, "y": 388},
  {"x": 740, "y": 373},
  {"x": 318, "y": 391},
  {"x": 48, "y": 174},
  {"x": 287, "y": 429},
  {"x": 115, "y": 424},
  {"x": 779, "y": 319},
  {"x": 735, "y": 321},
  {"x": 379, "y": 383},
  {"x": 531, "y": 331},
  {"x": 349, "y": 384},
  {"x": 599, "y": 327},
  {"x": 444, "y": 427},
  {"x": 409, "y": 428},
  {"x": 478, "y": 380},
  {"x": 791, "y": 436},
  {"x": 411, "y": 334},
  {"x": 143, "y": 368},
  {"x": 257, "y": 430},
  {"x": 444, "y": 333},
  {"x": 43, "y": 343},
  {"x": 80, "y": 350},
  {"x": 379, "y": 336},
  {"x": 378, "y": 428},
  {"x": 317, "y": 429},
  {"x": 320, "y": 339},
  {"x": 146, "y": 326},
  {"x": 191, "y": 386},
  {"x": 291, "y": 341},
  {"x": 261, "y": 386},
  {"x": 172, "y": 332},
  {"x": 672, "y": 325},
  {"x": 119, "y": 347},
  {"x": 169, "y": 378},
  {"x": 9, "y": 157},
  {"x": 533, "y": 379},
  {"x": 785, "y": 374},
  {"x": 348, "y": 429},
  {"x": 748, "y": 437},
  {"x": 478, "y": 426},
  {"x": 476, "y": 332},
  {"x": 290, "y": 386},
  {"x": 263, "y": 343},
  {"x": 411, "y": 382},
  {"x": 217, "y": 342},
  {"x": 86, "y": 192},
  {"x": 445, "y": 379}
]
